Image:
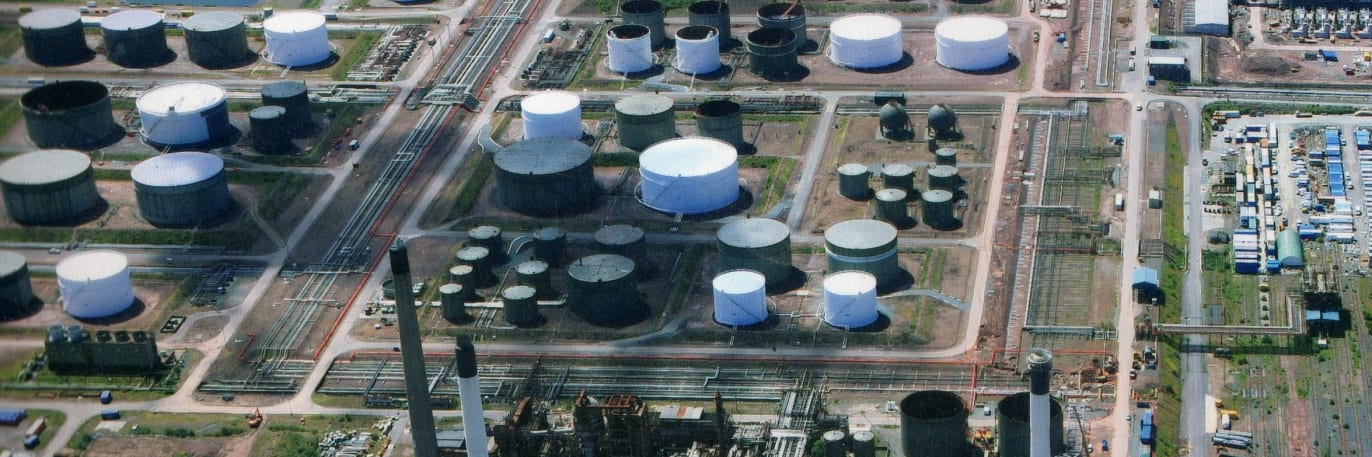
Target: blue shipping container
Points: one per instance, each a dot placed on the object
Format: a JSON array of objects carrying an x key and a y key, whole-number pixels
[
  {"x": 106, "y": 397},
  {"x": 109, "y": 415},
  {"x": 1147, "y": 418},
  {"x": 12, "y": 416}
]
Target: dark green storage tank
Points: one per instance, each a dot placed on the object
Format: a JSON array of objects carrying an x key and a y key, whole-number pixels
[
  {"x": 546, "y": 177},
  {"x": 602, "y": 289}
]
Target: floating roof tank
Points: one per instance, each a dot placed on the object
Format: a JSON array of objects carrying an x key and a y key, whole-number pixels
[
  {"x": 521, "y": 306},
  {"x": 95, "y": 284},
  {"x": 757, "y": 244},
  {"x": 630, "y": 49},
  {"x": 70, "y": 114},
  {"x": 721, "y": 120},
  {"x": 295, "y": 97},
  {"x": 866, "y": 41},
  {"x": 697, "y": 50},
  {"x": 48, "y": 186},
  {"x": 136, "y": 39},
  {"x": 54, "y": 37},
  {"x": 890, "y": 207},
  {"x": 740, "y": 298},
  {"x": 602, "y": 290},
  {"x": 186, "y": 114},
  {"x": 643, "y": 120},
  {"x": 16, "y": 289},
  {"x": 296, "y": 39},
  {"x": 934, "y": 423},
  {"x": 714, "y": 14},
  {"x": 972, "y": 43},
  {"x": 550, "y": 245},
  {"x": 942, "y": 120},
  {"x": 181, "y": 189},
  {"x": 536, "y": 274},
  {"x": 1013, "y": 431},
  {"x": 454, "y": 305},
  {"x": 547, "y": 176},
  {"x": 790, "y": 16},
  {"x": 850, "y": 299},
  {"x": 270, "y": 130},
  {"x": 647, "y": 13},
  {"x": 938, "y": 210},
  {"x": 946, "y": 156},
  {"x": 772, "y": 53},
  {"x": 864, "y": 245},
  {"x": 551, "y": 114},
  {"x": 692, "y": 175},
  {"x": 944, "y": 177},
  {"x": 217, "y": 40},
  {"x": 852, "y": 181},
  {"x": 898, "y": 176}
]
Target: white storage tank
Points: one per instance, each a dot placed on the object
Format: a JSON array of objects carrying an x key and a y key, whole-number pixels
[
  {"x": 631, "y": 49},
  {"x": 864, "y": 41},
  {"x": 697, "y": 50},
  {"x": 551, "y": 114},
  {"x": 183, "y": 114},
  {"x": 740, "y": 298},
  {"x": 95, "y": 284},
  {"x": 972, "y": 43},
  {"x": 296, "y": 38},
  {"x": 850, "y": 299},
  {"x": 690, "y": 175},
  {"x": 181, "y": 189}
]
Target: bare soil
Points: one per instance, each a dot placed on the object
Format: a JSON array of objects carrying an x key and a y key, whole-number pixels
[{"x": 160, "y": 446}]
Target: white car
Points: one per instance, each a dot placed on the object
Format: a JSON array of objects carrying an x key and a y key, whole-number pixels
[{"x": 1128, "y": 417}]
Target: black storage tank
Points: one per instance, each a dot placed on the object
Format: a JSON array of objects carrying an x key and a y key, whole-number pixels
[
  {"x": 70, "y": 114},
  {"x": 54, "y": 37}
]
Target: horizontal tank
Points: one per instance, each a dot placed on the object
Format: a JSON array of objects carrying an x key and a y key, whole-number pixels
[
  {"x": 547, "y": 176},
  {"x": 850, "y": 299},
  {"x": 643, "y": 120},
  {"x": 864, "y": 245},
  {"x": 70, "y": 114},
  {"x": 692, "y": 175},
  {"x": 136, "y": 39},
  {"x": 602, "y": 290},
  {"x": 740, "y": 298},
  {"x": 757, "y": 244},
  {"x": 184, "y": 114},
  {"x": 866, "y": 41},
  {"x": 217, "y": 39},
  {"x": 54, "y": 37},
  {"x": 630, "y": 49},
  {"x": 95, "y": 284},
  {"x": 551, "y": 114},
  {"x": 181, "y": 189},
  {"x": 49, "y": 187},
  {"x": 296, "y": 39},
  {"x": 972, "y": 43},
  {"x": 16, "y": 288},
  {"x": 934, "y": 423}
]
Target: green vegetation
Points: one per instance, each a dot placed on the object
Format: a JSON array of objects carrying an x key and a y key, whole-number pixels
[
  {"x": 1168, "y": 416},
  {"x": 349, "y": 57},
  {"x": 273, "y": 189},
  {"x": 10, "y": 112},
  {"x": 779, "y": 170},
  {"x": 471, "y": 186},
  {"x": 1249, "y": 108},
  {"x": 10, "y": 39},
  {"x": 615, "y": 159}
]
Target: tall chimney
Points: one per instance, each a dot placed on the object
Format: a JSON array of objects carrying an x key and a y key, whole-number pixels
[
  {"x": 469, "y": 388},
  {"x": 1040, "y": 371},
  {"x": 412, "y": 354}
]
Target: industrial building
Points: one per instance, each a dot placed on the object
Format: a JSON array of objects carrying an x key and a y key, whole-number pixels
[
  {"x": 866, "y": 41},
  {"x": 183, "y": 115},
  {"x": 972, "y": 43},
  {"x": 1206, "y": 17},
  {"x": 603, "y": 290},
  {"x": 757, "y": 244},
  {"x": 16, "y": 288},
  {"x": 70, "y": 114},
  {"x": 49, "y": 187},
  {"x": 217, "y": 40},
  {"x": 689, "y": 176},
  {"x": 296, "y": 39},
  {"x": 95, "y": 284},
  {"x": 54, "y": 37},
  {"x": 546, "y": 176},
  {"x": 1169, "y": 68},
  {"x": 181, "y": 189},
  {"x": 136, "y": 39},
  {"x": 71, "y": 350},
  {"x": 644, "y": 120},
  {"x": 631, "y": 49},
  {"x": 1145, "y": 284}
]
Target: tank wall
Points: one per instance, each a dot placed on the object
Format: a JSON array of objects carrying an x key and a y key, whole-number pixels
[
  {"x": 886, "y": 270},
  {"x": 774, "y": 262},
  {"x": 713, "y": 14},
  {"x": 893, "y": 211},
  {"x": 690, "y": 195},
  {"x": 647, "y": 13},
  {"x": 454, "y": 307},
  {"x": 298, "y": 117},
  {"x": 186, "y": 129},
  {"x": 939, "y": 215},
  {"x": 1012, "y": 426},
  {"x": 51, "y": 204},
  {"x": 57, "y": 46},
  {"x": 522, "y": 312},
  {"x": 630, "y": 52},
  {"x": 183, "y": 206},
  {"x": 641, "y": 131},
  {"x": 270, "y": 135},
  {"x": 611, "y": 303},
  {"x": 85, "y": 119},
  {"x": 569, "y": 192},
  {"x": 725, "y": 125},
  {"x": 551, "y": 250},
  {"x": 139, "y": 48},
  {"x": 794, "y": 20},
  {"x": 772, "y": 53},
  {"x": 220, "y": 48},
  {"x": 16, "y": 295},
  {"x": 934, "y": 424}
]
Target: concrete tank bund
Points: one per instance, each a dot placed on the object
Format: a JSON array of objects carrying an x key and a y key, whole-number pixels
[
  {"x": 546, "y": 176},
  {"x": 48, "y": 186},
  {"x": 934, "y": 423},
  {"x": 54, "y": 37},
  {"x": 70, "y": 114},
  {"x": 643, "y": 120},
  {"x": 689, "y": 175},
  {"x": 217, "y": 39},
  {"x": 136, "y": 39},
  {"x": 181, "y": 189}
]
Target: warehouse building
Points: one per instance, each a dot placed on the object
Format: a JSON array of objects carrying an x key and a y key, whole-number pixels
[
  {"x": 1206, "y": 17},
  {"x": 1169, "y": 68}
]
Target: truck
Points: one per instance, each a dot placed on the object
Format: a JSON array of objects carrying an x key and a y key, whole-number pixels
[
  {"x": 1119, "y": 201},
  {"x": 37, "y": 427},
  {"x": 1146, "y": 434},
  {"x": 106, "y": 397},
  {"x": 354, "y": 144}
]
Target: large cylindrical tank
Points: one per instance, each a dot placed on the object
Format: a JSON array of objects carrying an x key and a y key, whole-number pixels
[
  {"x": 944, "y": 177},
  {"x": 625, "y": 240},
  {"x": 94, "y": 284},
  {"x": 48, "y": 186},
  {"x": 536, "y": 274},
  {"x": 946, "y": 156},
  {"x": 465, "y": 276},
  {"x": 890, "y": 207},
  {"x": 643, "y": 120},
  {"x": 1012, "y": 426},
  {"x": 938, "y": 209},
  {"x": 547, "y": 176},
  {"x": 296, "y": 39},
  {"x": 181, "y": 189},
  {"x": 850, "y": 299},
  {"x": 184, "y": 114},
  {"x": 550, "y": 245},
  {"x": 54, "y": 37},
  {"x": 295, "y": 97},
  {"x": 551, "y": 114},
  {"x": 721, "y": 120},
  {"x": 647, "y": 13},
  {"x": 479, "y": 258},
  {"x": 697, "y": 50},
  {"x": 934, "y": 423},
  {"x": 853, "y": 181},
  {"x": 835, "y": 443},
  {"x": 790, "y": 16},
  {"x": 757, "y": 244},
  {"x": 602, "y": 290},
  {"x": 631, "y": 49},
  {"x": 16, "y": 289},
  {"x": 217, "y": 39},
  {"x": 863, "y": 245},
  {"x": 488, "y": 236},
  {"x": 136, "y": 39},
  {"x": 70, "y": 114},
  {"x": 714, "y": 14},
  {"x": 453, "y": 304},
  {"x": 972, "y": 43},
  {"x": 271, "y": 133},
  {"x": 866, "y": 41},
  {"x": 521, "y": 306},
  {"x": 864, "y": 444},
  {"x": 740, "y": 298},
  {"x": 772, "y": 53},
  {"x": 689, "y": 175},
  {"x": 898, "y": 176}
]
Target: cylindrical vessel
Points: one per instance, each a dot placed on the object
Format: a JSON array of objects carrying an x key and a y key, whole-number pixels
[
  {"x": 135, "y": 39},
  {"x": 454, "y": 304},
  {"x": 551, "y": 114},
  {"x": 863, "y": 245},
  {"x": 295, "y": 97},
  {"x": 835, "y": 443},
  {"x": 944, "y": 177},
  {"x": 790, "y": 16},
  {"x": 625, "y": 240},
  {"x": 852, "y": 181},
  {"x": 1013, "y": 428},
  {"x": 48, "y": 186},
  {"x": 217, "y": 39},
  {"x": 296, "y": 39},
  {"x": 772, "y": 53},
  {"x": 521, "y": 306},
  {"x": 898, "y": 176},
  {"x": 850, "y": 299},
  {"x": 181, "y": 189},
  {"x": 643, "y": 120},
  {"x": 550, "y": 245},
  {"x": 547, "y": 176},
  {"x": 864, "y": 444},
  {"x": 740, "y": 298},
  {"x": 465, "y": 276},
  {"x": 758, "y": 244},
  {"x": 721, "y": 120},
  {"x": 938, "y": 209},
  {"x": 76, "y": 333},
  {"x": 890, "y": 206},
  {"x": 647, "y": 13},
  {"x": 602, "y": 290},
  {"x": 697, "y": 50},
  {"x": 479, "y": 258},
  {"x": 488, "y": 236},
  {"x": 16, "y": 289},
  {"x": 630, "y": 49},
  {"x": 934, "y": 423},
  {"x": 946, "y": 156},
  {"x": 270, "y": 130},
  {"x": 94, "y": 284},
  {"x": 865, "y": 41},
  {"x": 972, "y": 43},
  {"x": 184, "y": 114},
  {"x": 689, "y": 175},
  {"x": 54, "y": 37},
  {"x": 536, "y": 274},
  {"x": 714, "y": 14},
  {"x": 70, "y": 114}
]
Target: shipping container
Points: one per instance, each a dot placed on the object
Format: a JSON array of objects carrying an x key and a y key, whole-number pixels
[
  {"x": 109, "y": 415},
  {"x": 12, "y": 417},
  {"x": 37, "y": 427},
  {"x": 106, "y": 397}
]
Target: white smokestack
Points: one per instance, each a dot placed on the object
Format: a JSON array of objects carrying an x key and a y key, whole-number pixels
[
  {"x": 1040, "y": 371},
  {"x": 469, "y": 388}
]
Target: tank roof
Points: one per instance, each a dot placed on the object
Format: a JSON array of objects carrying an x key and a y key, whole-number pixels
[
  {"x": 131, "y": 20},
  {"x": 531, "y": 266},
  {"x": 754, "y": 232},
  {"x": 548, "y": 233},
  {"x": 284, "y": 89},
  {"x": 484, "y": 231},
  {"x": 971, "y": 28},
  {"x": 893, "y": 112},
  {"x": 450, "y": 288},
  {"x": 92, "y": 265},
  {"x": 853, "y": 169},
  {"x": 44, "y": 166},
  {"x": 550, "y": 102},
  {"x": 618, "y": 234},
  {"x": 890, "y": 195},
  {"x": 49, "y": 19},
  {"x": 897, "y": 169},
  {"x": 692, "y": 156},
  {"x": 865, "y": 26},
  {"x": 940, "y": 112},
  {"x": 177, "y": 169},
  {"x": 850, "y": 283},
  {"x": 267, "y": 112},
  {"x": 461, "y": 270},
  {"x": 833, "y": 435},
  {"x": 520, "y": 292},
  {"x": 860, "y": 234},
  {"x": 600, "y": 267},
  {"x": 293, "y": 21},
  {"x": 213, "y": 21},
  {"x": 542, "y": 156},
  {"x": 10, "y": 263},
  {"x": 943, "y": 171},
  {"x": 739, "y": 281},
  {"x": 186, "y": 97},
  {"x": 937, "y": 196},
  {"x": 643, "y": 105},
  {"x": 473, "y": 253}
]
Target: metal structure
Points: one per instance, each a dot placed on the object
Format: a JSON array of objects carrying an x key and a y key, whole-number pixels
[
  {"x": 1014, "y": 430},
  {"x": 853, "y": 181},
  {"x": 54, "y": 37},
  {"x": 740, "y": 298},
  {"x": 72, "y": 351},
  {"x": 488, "y": 236},
  {"x": 890, "y": 207},
  {"x": 95, "y": 284},
  {"x": 894, "y": 119},
  {"x": 933, "y": 423},
  {"x": 551, "y": 114},
  {"x": 647, "y": 13},
  {"x": 48, "y": 186},
  {"x": 453, "y": 304},
  {"x": 721, "y": 120},
  {"x": 181, "y": 189},
  {"x": 631, "y": 49},
  {"x": 136, "y": 39},
  {"x": 550, "y": 245},
  {"x": 548, "y": 176},
  {"x": 1040, "y": 373},
  {"x": 271, "y": 132},
  {"x": 758, "y": 244},
  {"x": 643, "y": 120},
  {"x": 186, "y": 114},
  {"x": 296, "y": 39},
  {"x": 946, "y": 156},
  {"x": 899, "y": 176},
  {"x": 479, "y": 258},
  {"x": 943, "y": 123},
  {"x": 295, "y": 97},
  {"x": 944, "y": 177},
  {"x": 715, "y": 14},
  {"x": 469, "y": 386},
  {"x": 937, "y": 210},
  {"x": 866, "y": 41},
  {"x": 536, "y": 274},
  {"x": 693, "y": 175},
  {"x": 772, "y": 53},
  {"x": 972, "y": 43},
  {"x": 602, "y": 289},
  {"x": 70, "y": 114},
  {"x": 521, "y": 306},
  {"x": 790, "y": 16},
  {"x": 412, "y": 353},
  {"x": 850, "y": 299},
  {"x": 16, "y": 289},
  {"x": 217, "y": 40},
  {"x": 863, "y": 245},
  {"x": 697, "y": 50}
]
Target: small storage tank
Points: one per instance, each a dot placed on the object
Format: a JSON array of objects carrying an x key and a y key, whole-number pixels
[
  {"x": 740, "y": 298},
  {"x": 479, "y": 258},
  {"x": 790, "y": 16},
  {"x": 547, "y": 176},
  {"x": 721, "y": 120},
  {"x": 894, "y": 119},
  {"x": 70, "y": 114},
  {"x": 217, "y": 39},
  {"x": 296, "y": 39},
  {"x": 972, "y": 43},
  {"x": 550, "y": 245},
  {"x": 835, "y": 443},
  {"x": 488, "y": 236},
  {"x": 647, "y": 13},
  {"x": 938, "y": 209},
  {"x": 602, "y": 290},
  {"x": 465, "y": 276},
  {"x": 184, "y": 114},
  {"x": 689, "y": 175},
  {"x": 890, "y": 207},
  {"x": 863, "y": 245},
  {"x": 48, "y": 186},
  {"x": 630, "y": 49},
  {"x": 944, "y": 177},
  {"x": 850, "y": 299},
  {"x": 625, "y": 240},
  {"x": 136, "y": 39},
  {"x": 95, "y": 284},
  {"x": 934, "y": 423},
  {"x": 898, "y": 176},
  {"x": 852, "y": 181},
  {"x": 181, "y": 189},
  {"x": 866, "y": 41},
  {"x": 295, "y": 97},
  {"x": 697, "y": 50},
  {"x": 521, "y": 306},
  {"x": 643, "y": 120},
  {"x": 16, "y": 289},
  {"x": 454, "y": 304},
  {"x": 714, "y": 14},
  {"x": 536, "y": 274},
  {"x": 943, "y": 122},
  {"x": 270, "y": 130},
  {"x": 757, "y": 244},
  {"x": 551, "y": 114},
  {"x": 946, "y": 156},
  {"x": 864, "y": 444},
  {"x": 772, "y": 53},
  {"x": 1012, "y": 426},
  {"x": 54, "y": 37}
]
